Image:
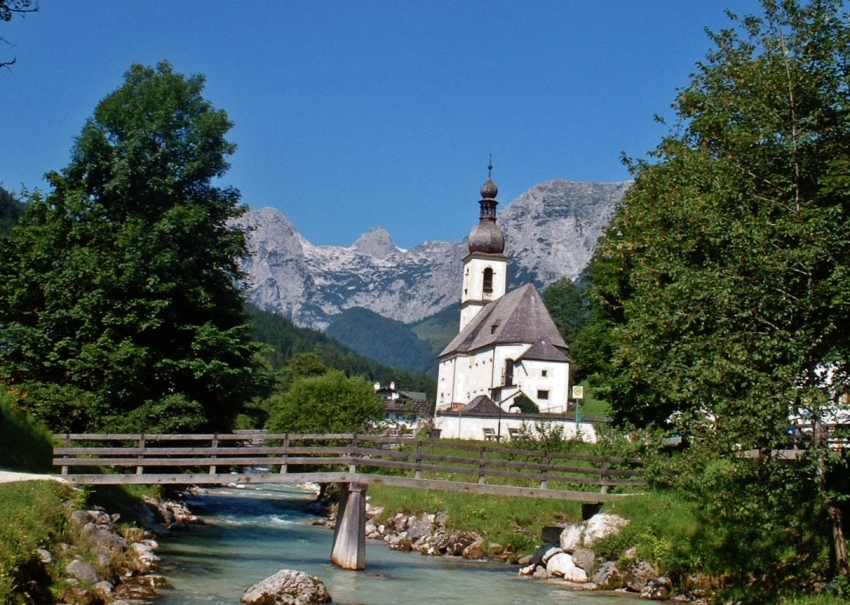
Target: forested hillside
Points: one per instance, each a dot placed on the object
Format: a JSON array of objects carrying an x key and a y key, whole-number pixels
[
  {"x": 285, "y": 340},
  {"x": 386, "y": 340}
]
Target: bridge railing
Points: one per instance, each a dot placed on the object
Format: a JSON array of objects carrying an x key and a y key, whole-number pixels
[{"x": 262, "y": 457}]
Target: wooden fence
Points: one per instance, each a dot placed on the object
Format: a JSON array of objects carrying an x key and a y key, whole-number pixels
[{"x": 342, "y": 458}]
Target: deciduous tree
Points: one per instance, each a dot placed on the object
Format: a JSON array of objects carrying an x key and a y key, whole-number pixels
[
  {"x": 119, "y": 303},
  {"x": 723, "y": 279},
  {"x": 330, "y": 403}
]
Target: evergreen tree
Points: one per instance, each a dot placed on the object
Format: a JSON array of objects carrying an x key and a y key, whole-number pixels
[
  {"x": 721, "y": 285},
  {"x": 118, "y": 299}
]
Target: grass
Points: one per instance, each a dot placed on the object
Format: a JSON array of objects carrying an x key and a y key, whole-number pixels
[
  {"x": 514, "y": 523},
  {"x": 25, "y": 445},
  {"x": 32, "y": 516}
]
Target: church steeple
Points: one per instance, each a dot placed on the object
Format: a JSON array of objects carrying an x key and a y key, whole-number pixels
[{"x": 485, "y": 267}]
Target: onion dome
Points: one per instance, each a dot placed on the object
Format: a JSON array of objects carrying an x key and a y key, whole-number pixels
[
  {"x": 489, "y": 191},
  {"x": 486, "y": 236}
]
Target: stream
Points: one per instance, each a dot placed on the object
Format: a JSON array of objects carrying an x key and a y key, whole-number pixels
[{"x": 253, "y": 533}]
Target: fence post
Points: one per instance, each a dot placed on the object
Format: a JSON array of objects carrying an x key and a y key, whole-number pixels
[
  {"x": 604, "y": 474},
  {"x": 352, "y": 467},
  {"x": 139, "y": 468},
  {"x": 213, "y": 467},
  {"x": 283, "y": 466},
  {"x": 482, "y": 468},
  {"x": 545, "y": 460},
  {"x": 66, "y": 456},
  {"x": 418, "y": 460}
]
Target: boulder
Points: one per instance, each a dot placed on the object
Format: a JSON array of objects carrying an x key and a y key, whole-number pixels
[
  {"x": 600, "y": 526},
  {"x": 658, "y": 589},
  {"x": 83, "y": 571},
  {"x": 638, "y": 575},
  {"x": 562, "y": 565},
  {"x": 419, "y": 527},
  {"x": 474, "y": 551},
  {"x": 571, "y": 537},
  {"x": 608, "y": 577},
  {"x": 584, "y": 558},
  {"x": 287, "y": 587}
]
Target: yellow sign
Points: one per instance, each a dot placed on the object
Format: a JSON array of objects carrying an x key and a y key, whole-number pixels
[{"x": 578, "y": 392}]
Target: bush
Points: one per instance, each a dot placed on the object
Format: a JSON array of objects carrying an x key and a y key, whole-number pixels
[{"x": 25, "y": 443}]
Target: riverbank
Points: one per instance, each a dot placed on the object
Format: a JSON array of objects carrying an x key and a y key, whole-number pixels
[{"x": 55, "y": 546}]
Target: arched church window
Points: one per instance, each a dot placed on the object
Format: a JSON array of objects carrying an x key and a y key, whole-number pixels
[
  {"x": 488, "y": 280},
  {"x": 509, "y": 372}
]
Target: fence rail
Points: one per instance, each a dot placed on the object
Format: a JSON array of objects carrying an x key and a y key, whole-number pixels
[{"x": 371, "y": 459}]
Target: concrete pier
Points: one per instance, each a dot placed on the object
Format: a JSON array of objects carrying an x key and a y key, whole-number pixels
[{"x": 349, "y": 548}]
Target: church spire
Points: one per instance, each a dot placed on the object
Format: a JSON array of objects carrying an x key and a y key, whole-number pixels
[{"x": 486, "y": 236}]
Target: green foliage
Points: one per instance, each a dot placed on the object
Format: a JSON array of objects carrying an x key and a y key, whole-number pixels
[
  {"x": 285, "y": 340},
  {"x": 11, "y": 211},
  {"x": 331, "y": 403},
  {"x": 720, "y": 287},
  {"x": 396, "y": 346},
  {"x": 525, "y": 404},
  {"x": 31, "y": 517},
  {"x": 516, "y": 524},
  {"x": 569, "y": 306},
  {"x": 118, "y": 299},
  {"x": 25, "y": 444},
  {"x": 439, "y": 329}
]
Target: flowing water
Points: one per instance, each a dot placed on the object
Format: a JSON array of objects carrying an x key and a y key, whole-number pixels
[{"x": 255, "y": 532}]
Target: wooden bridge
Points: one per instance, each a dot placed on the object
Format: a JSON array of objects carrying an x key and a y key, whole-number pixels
[{"x": 353, "y": 461}]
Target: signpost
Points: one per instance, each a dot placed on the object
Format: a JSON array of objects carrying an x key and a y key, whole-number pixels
[{"x": 578, "y": 395}]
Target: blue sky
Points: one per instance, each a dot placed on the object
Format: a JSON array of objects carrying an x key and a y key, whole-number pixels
[{"x": 351, "y": 115}]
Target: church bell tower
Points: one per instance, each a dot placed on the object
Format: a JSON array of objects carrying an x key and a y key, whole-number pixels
[{"x": 485, "y": 268}]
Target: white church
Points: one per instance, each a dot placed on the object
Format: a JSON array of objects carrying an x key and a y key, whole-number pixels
[{"x": 507, "y": 345}]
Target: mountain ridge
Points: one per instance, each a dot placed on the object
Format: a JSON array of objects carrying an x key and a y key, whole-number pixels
[{"x": 550, "y": 232}]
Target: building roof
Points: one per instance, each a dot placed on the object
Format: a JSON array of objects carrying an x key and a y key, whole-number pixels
[
  {"x": 481, "y": 406},
  {"x": 517, "y": 317},
  {"x": 543, "y": 350}
]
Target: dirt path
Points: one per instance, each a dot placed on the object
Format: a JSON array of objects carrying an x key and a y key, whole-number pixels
[{"x": 9, "y": 477}]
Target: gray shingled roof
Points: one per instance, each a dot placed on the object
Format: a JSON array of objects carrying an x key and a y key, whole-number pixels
[
  {"x": 481, "y": 406},
  {"x": 517, "y": 317},
  {"x": 543, "y": 350}
]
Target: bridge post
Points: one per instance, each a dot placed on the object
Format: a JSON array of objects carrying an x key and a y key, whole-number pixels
[{"x": 349, "y": 548}]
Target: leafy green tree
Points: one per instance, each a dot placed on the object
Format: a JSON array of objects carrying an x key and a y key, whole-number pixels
[
  {"x": 569, "y": 306},
  {"x": 721, "y": 284},
  {"x": 11, "y": 211},
  {"x": 119, "y": 288},
  {"x": 330, "y": 403},
  {"x": 305, "y": 365}
]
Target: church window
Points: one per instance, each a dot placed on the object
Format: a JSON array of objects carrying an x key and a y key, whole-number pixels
[
  {"x": 543, "y": 395},
  {"x": 544, "y": 373},
  {"x": 488, "y": 280},
  {"x": 509, "y": 372}
]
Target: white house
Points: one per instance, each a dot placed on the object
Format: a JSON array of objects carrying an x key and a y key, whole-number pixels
[{"x": 508, "y": 343}]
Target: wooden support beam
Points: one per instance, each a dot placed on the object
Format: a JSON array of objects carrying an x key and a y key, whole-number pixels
[{"x": 349, "y": 548}]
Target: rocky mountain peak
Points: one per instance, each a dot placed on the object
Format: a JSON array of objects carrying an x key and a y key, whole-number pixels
[
  {"x": 376, "y": 242},
  {"x": 550, "y": 232}
]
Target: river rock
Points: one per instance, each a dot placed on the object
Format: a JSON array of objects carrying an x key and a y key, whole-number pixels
[
  {"x": 45, "y": 556},
  {"x": 562, "y": 565},
  {"x": 474, "y": 550},
  {"x": 608, "y": 576},
  {"x": 571, "y": 537},
  {"x": 83, "y": 571},
  {"x": 287, "y": 587},
  {"x": 658, "y": 589},
  {"x": 584, "y": 558},
  {"x": 419, "y": 527},
  {"x": 600, "y": 526},
  {"x": 638, "y": 575}
]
